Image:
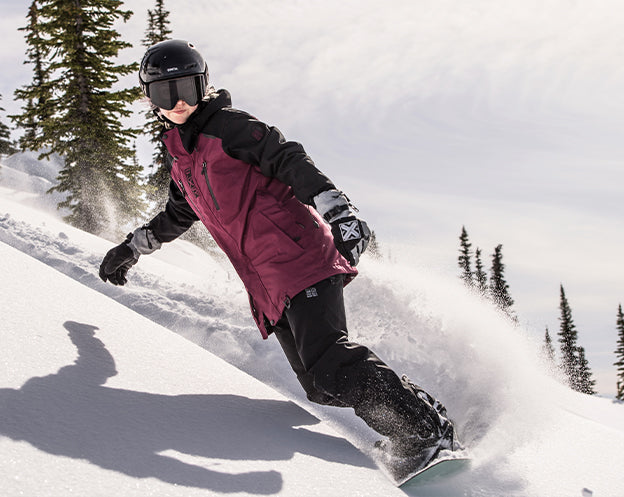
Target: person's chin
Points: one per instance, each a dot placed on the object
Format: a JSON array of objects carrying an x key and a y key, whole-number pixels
[{"x": 178, "y": 117}]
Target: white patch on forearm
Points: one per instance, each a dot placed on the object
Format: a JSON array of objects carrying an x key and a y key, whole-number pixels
[{"x": 333, "y": 205}]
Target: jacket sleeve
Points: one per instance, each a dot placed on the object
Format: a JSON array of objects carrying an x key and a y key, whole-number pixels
[
  {"x": 175, "y": 219},
  {"x": 252, "y": 141}
]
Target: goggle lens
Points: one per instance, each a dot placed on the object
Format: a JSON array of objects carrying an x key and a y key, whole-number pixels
[{"x": 166, "y": 94}]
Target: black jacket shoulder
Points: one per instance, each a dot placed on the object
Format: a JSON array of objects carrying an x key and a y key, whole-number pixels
[{"x": 250, "y": 140}]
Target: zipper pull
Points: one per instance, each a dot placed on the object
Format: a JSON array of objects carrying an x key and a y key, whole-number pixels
[{"x": 182, "y": 189}]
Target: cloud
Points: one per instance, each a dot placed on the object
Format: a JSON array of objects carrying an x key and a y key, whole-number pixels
[{"x": 504, "y": 116}]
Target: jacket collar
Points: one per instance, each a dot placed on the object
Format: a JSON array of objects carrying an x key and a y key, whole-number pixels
[{"x": 190, "y": 130}]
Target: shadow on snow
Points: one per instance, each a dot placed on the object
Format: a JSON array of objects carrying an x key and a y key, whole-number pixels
[{"x": 71, "y": 413}]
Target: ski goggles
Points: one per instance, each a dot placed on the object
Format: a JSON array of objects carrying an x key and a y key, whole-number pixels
[{"x": 166, "y": 94}]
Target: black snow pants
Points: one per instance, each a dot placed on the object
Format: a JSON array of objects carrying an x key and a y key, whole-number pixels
[{"x": 335, "y": 371}]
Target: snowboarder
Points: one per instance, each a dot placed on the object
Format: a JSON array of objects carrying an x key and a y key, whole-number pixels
[{"x": 292, "y": 236}]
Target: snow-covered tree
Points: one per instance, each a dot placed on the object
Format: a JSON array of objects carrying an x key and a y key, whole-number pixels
[
  {"x": 548, "y": 348},
  {"x": 619, "y": 353},
  {"x": 574, "y": 363},
  {"x": 6, "y": 144},
  {"x": 479, "y": 275},
  {"x": 38, "y": 93},
  {"x": 464, "y": 260},
  {"x": 567, "y": 340},
  {"x": 84, "y": 125},
  {"x": 585, "y": 381},
  {"x": 373, "y": 247},
  {"x": 159, "y": 178},
  {"x": 499, "y": 289}
]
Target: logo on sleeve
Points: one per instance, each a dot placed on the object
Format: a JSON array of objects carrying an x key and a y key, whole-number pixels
[
  {"x": 257, "y": 133},
  {"x": 350, "y": 230}
]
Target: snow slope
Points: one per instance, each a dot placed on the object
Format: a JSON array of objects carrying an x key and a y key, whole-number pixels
[
  {"x": 96, "y": 395},
  {"x": 97, "y": 398}
]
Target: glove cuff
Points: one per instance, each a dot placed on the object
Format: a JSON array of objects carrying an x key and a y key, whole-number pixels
[
  {"x": 333, "y": 205},
  {"x": 143, "y": 241}
]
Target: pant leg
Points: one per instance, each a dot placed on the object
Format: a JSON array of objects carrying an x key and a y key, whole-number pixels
[
  {"x": 314, "y": 336},
  {"x": 284, "y": 336}
]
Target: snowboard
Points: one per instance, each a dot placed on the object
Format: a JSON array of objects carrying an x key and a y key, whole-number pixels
[
  {"x": 410, "y": 471},
  {"x": 444, "y": 466}
]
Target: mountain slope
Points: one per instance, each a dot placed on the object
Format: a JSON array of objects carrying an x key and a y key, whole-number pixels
[
  {"x": 529, "y": 435},
  {"x": 97, "y": 400}
]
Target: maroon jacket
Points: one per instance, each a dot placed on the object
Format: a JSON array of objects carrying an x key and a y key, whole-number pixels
[{"x": 250, "y": 187}]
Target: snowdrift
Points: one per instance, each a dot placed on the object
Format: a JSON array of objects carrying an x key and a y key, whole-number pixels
[{"x": 99, "y": 397}]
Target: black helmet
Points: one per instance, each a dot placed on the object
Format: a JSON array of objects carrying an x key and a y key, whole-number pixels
[{"x": 173, "y": 60}]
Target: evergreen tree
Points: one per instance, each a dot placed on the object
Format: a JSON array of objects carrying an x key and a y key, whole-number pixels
[
  {"x": 584, "y": 378},
  {"x": 499, "y": 289},
  {"x": 549, "y": 349},
  {"x": 83, "y": 121},
  {"x": 464, "y": 261},
  {"x": 479, "y": 276},
  {"x": 619, "y": 353},
  {"x": 38, "y": 94},
  {"x": 157, "y": 25},
  {"x": 373, "y": 247},
  {"x": 158, "y": 180},
  {"x": 567, "y": 341},
  {"x": 7, "y": 146}
]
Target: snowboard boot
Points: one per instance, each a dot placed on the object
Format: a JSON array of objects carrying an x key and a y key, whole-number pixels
[
  {"x": 443, "y": 425},
  {"x": 406, "y": 453}
]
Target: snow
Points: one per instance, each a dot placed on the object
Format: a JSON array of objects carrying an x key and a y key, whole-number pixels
[{"x": 165, "y": 387}]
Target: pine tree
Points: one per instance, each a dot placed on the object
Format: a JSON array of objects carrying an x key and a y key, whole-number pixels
[
  {"x": 464, "y": 261},
  {"x": 157, "y": 25},
  {"x": 373, "y": 247},
  {"x": 584, "y": 378},
  {"x": 549, "y": 349},
  {"x": 567, "y": 341},
  {"x": 619, "y": 353},
  {"x": 38, "y": 94},
  {"x": 499, "y": 289},
  {"x": 7, "y": 146},
  {"x": 479, "y": 275},
  {"x": 158, "y": 180},
  {"x": 83, "y": 124}
]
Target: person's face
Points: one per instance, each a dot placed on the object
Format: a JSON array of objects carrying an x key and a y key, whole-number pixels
[{"x": 180, "y": 113}]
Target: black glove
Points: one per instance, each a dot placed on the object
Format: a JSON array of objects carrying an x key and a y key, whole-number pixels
[
  {"x": 117, "y": 261},
  {"x": 351, "y": 237}
]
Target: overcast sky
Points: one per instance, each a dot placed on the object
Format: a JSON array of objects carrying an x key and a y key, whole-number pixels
[{"x": 505, "y": 117}]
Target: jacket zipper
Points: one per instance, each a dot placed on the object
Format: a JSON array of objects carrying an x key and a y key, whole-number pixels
[{"x": 205, "y": 174}]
